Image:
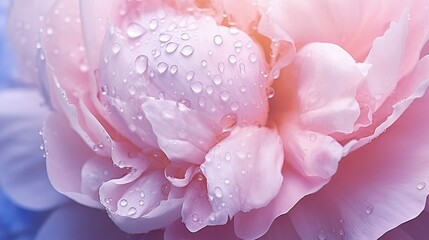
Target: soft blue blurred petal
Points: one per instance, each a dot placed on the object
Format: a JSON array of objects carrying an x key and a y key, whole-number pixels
[
  {"x": 17, "y": 223},
  {"x": 7, "y": 61}
]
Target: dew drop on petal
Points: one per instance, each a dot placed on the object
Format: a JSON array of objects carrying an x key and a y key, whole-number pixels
[
  {"x": 369, "y": 209},
  {"x": 165, "y": 188},
  {"x": 187, "y": 51},
  {"x": 227, "y": 181},
  {"x": 270, "y": 92},
  {"x": 135, "y": 30},
  {"x": 217, "y": 79},
  {"x": 421, "y": 186},
  {"x": 253, "y": 58},
  {"x": 141, "y": 64},
  {"x": 185, "y": 36},
  {"x": 221, "y": 67},
  {"x": 232, "y": 59},
  {"x": 164, "y": 37},
  {"x": 123, "y": 202},
  {"x": 224, "y": 96},
  {"x": 228, "y": 121},
  {"x": 142, "y": 194},
  {"x": 218, "y": 192},
  {"x": 322, "y": 235},
  {"x": 162, "y": 67},
  {"x": 197, "y": 87},
  {"x": 171, "y": 47},
  {"x": 104, "y": 90},
  {"x": 173, "y": 69},
  {"x": 195, "y": 217},
  {"x": 132, "y": 211},
  {"x": 116, "y": 47},
  {"x": 233, "y": 30},
  {"x": 153, "y": 24},
  {"x": 218, "y": 39},
  {"x": 132, "y": 90},
  {"x": 190, "y": 75}
]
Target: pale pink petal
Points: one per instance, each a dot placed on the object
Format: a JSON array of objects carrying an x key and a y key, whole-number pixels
[
  {"x": 351, "y": 24},
  {"x": 24, "y": 177},
  {"x": 171, "y": 125},
  {"x": 25, "y": 20},
  {"x": 197, "y": 211},
  {"x": 77, "y": 222},
  {"x": 385, "y": 59},
  {"x": 140, "y": 202},
  {"x": 243, "y": 14},
  {"x": 244, "y": 171},
  {"x": 411, "y": 87},
  {"x": 327, "y": 80},
  {"x": 376, "y": 187},
  {"x": 206, "y": 67},
  {"x": 177, "y": 230},
  {"x": 64, "y": 162}
]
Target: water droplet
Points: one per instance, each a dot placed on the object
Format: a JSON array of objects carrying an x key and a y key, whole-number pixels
[
  {"x": 227, "y": 181},
  {"x": 369, "y": 209},
  {"x": 233, "y": 30},
  {"x": 164, "y": 37},
  {"x": 421, "y": 186},
  {"x": 153, "y": 24},
  {"x": 224, "y": 96},
  {"x": 132, "y": 211},
  {"x": 228, "y": 121},
  {"x": 227, "y": 156},
  {"x": 183, "y": 104},
  {"x": 123, "y": 203},
  {"x": 104, "y": 90},
  {"x": 204, "y": 63},
  {"x": 156, "y": 53},
  {"x": 234, "y": 106},
  {"x": 116, "y": 47},
  {"x": 221, "y": 67},
  {"x": 171, "y": 47},
  {"x": 141, "y": 202},
  {"x": 218, "y": 39},
  {"x": 218, "y": 192},
  {"x": 195, "y": 217},
  {"x": 313, "y": 137},
  {"x": 190, "y": 75},
  {"x": 132, "y": 89},
  {"x": 185, "y": 36},
  {"x": 242, "y": 69},
  {"x": 232, "y": 59},
  {"x": 217, "y": 79},
  {"x": 322, "y": 235},
  {"x": 135, "y": 30},
  {"x": 270, "y": 92},
  {"x": 187, "y": 51},
  {"x": 212, "y": 217},
  {"x": 165, "y": 188},
  {"x": 276, "y": 73},
  {"x": 49, "y": 31},
  {"x": 141, "y": 64},
  {"x": 142, "y": 194},
  {"x": 200, "y": 177},
  {"x": 197, "y": 87},
  {"x": 162, "y": 67},
  {"x": 253, "y": 58}
]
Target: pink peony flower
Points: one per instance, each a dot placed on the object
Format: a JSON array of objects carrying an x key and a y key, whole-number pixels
[{"x": 181, "y": 115}]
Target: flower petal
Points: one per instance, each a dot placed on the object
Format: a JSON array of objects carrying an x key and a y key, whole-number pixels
[
  {"x": 376, "y": 187},
  {"x": 244, "y": 171},
  {"x": 177, "y": 230},
  {"x": 328, "y": 79},
  {"x": 24, "y": 176},
  {"x": 140, "y": 202},
  {"x": 171, "y": 124},
  {"x": 64, "y": 162}
]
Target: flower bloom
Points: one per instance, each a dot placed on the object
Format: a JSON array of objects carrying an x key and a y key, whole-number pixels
[{"x": 180, "y": 115}]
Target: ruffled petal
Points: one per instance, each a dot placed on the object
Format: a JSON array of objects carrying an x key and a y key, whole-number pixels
[
  {"x": 140, "y": 202},
  {"x": 244, "y": 171},
  {"x": 186, "y": 59},
  {"x": 328, "y": 79},
  {"x": 64, "y": 162},
  {"x": 376, "y": 187},
  {"x": 177, "y": 230},
  {"x": 171, "y": 125},
  {"x": 23, "y": 175}
]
